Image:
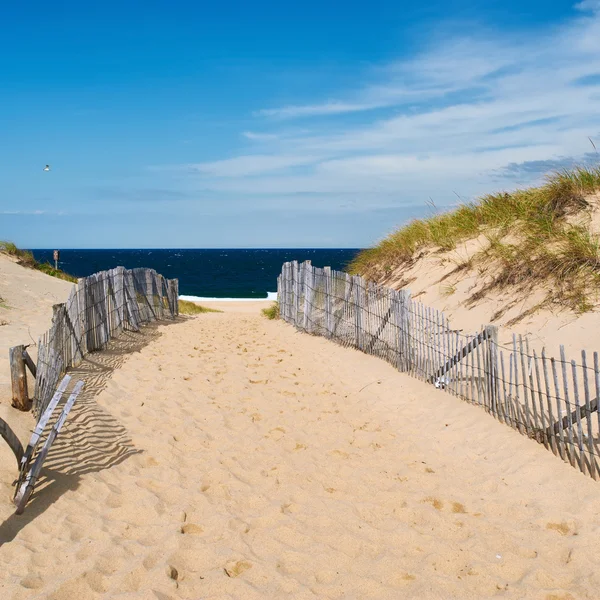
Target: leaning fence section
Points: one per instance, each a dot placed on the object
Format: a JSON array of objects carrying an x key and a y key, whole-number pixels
[
  {"x": 553, "y": 400},
  {"x": 99, "y": 308}
]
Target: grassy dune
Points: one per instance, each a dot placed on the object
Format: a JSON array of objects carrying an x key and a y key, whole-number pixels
[
  {"x": 190, "y": 308},
  {"x": 26, "y": 259},
  {"x": 536, "y": 236}
]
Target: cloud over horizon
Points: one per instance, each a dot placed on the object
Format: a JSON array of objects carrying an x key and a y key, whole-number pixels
[{"x": 463, "y": 113}]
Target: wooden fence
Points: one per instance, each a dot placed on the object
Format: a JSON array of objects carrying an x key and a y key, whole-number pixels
[
  {"x": 551, "y": 400},
  {"x": 99, "y": 308}
]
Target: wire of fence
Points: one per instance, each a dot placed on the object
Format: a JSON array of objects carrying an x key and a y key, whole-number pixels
[
  {"x": 551, "y": 400},
  {"x": 99, "y": 308}
]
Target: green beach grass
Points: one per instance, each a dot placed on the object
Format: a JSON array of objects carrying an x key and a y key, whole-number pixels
[
  {"x": 190, "y": 308},
  {"x": 534, "y": 237},
  {"x": 271, "y": 312}
]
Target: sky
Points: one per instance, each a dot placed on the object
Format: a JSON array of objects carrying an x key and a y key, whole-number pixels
[{"x": 276, "y": 124}]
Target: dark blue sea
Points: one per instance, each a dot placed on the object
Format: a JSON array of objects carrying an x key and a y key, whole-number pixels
[{"x": 203, "y": 273}]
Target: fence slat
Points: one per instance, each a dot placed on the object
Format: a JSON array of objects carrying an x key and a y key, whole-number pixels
[
  {"x": 563, "y": 364},
  {"x": 578, "y": 417},
  {"x": 588, "y": 409},
  {"x": 540, "y": 399}
]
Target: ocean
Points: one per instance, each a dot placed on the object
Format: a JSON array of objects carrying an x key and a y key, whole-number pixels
[{"x": 204, "y": 274}]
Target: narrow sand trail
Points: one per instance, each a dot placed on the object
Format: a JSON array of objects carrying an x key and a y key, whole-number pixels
[{"x": 231, "y": 457}]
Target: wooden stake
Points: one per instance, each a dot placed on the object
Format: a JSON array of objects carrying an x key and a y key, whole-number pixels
[{"x": 18, "y": 376}]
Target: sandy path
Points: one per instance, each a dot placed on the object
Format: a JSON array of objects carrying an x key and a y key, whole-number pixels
[{"x": 232, "y": 457}]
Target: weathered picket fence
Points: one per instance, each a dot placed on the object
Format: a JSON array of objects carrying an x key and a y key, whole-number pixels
[
  {"x": 99, "y": 308},
  {"x": 552, "y": 400}
]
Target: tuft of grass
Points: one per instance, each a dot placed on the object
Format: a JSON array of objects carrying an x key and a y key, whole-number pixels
[
  {"x": 447, "y": 290},
  {"x": 190, "y": 308},
  {"x": 544, "y": 245},
  {"x": 272, "y": 312},
  {"x": 26, "y": 259}
]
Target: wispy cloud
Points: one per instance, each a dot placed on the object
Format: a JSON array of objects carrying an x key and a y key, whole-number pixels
[
  {"x": 328, "y": 108},
  {"x": 589, "y": 5},
  {"x": 251, "y": 135},
  {"x": 254, "y": 164},
  {"x": 469, "y": 112},
  {"x": 33, "y": 212}
]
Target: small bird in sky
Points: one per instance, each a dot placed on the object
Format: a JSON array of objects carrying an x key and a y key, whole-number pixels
[{"x": 47, "y": 168}]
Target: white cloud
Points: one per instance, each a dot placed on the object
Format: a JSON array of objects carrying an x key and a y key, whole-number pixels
[
  {"x": 328, "y": 108},
  {"x": 589, "y": 5},
  {"x": 455, "y": 116},
  {"x": 254, "y": 164},
  {"x": 32, "y": 212},
  {"x": 251, "y": 135}
]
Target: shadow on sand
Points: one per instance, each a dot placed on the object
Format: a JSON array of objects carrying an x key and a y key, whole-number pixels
[{"x": 92, "y": 439}]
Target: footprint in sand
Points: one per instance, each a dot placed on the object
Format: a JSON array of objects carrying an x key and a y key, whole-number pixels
[
  {"x": 276, "y": 434},
  {"x": 192, "y": 529},
  {"x": 340, "y": 454},
  {"x": 236, "y": 568},
  {"x": 437, "y": 504},
  {"x": 562, "y": 528}
]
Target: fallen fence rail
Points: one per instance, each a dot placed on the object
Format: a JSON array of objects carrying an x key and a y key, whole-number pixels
[
  {"x": 548, "y": 399},
  {"x": 29, "y": 473}
]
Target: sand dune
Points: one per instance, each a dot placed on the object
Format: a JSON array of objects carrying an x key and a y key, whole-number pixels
[{"x": 228, "y": 456}]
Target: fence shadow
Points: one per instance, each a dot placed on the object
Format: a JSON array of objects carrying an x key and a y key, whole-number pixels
[{"x": 92, "y": 440}]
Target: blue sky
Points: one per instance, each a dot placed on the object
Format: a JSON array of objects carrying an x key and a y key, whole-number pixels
[{"x": 272, "y": 124}]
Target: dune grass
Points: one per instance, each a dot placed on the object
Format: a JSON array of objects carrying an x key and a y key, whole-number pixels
[
  {"x": 26, "y": 259},
  {"x": 190, "y": 308},
  {"x": 531, "y": 234},
  {"x": 271, "y": 312}
]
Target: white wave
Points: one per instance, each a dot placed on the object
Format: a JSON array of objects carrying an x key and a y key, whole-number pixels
[{"x": 270, "y": 296}]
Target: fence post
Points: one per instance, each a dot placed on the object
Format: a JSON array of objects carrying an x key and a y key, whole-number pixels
[
  {"x": 359, "y": 296},
  {"x": 295, "y": 275},
  {"x": 176, "y": 296},
  {"x": 173, "y": 296},
  {"x": 404, "y": 332},
  {"x": 491, "y": 372},
  {"x": 307, "y": 294},
  {"x": 18, "y": 377},
  {"x": 327, "y": 274}
]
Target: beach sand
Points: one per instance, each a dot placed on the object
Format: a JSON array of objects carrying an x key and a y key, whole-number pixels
[{"x": 227, "y": 456}]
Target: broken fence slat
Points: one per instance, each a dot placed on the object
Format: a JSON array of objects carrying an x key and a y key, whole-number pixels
[
  {"x": 466, "y": 349},
  {"x": 26, "y": 489},
  {"x": 581, "y": 412},
  {"x": 12, "y": 440},
  {"x": 29, "y": 362},
  {"x": 39, "y": 429}
]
